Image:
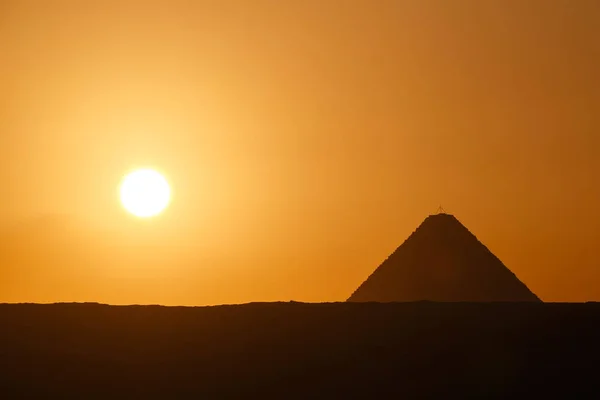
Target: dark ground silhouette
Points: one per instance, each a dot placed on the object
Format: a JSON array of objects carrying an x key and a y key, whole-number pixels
[
  {"x": 442, "y": 261},
  {"x": 303, "y": 351}
]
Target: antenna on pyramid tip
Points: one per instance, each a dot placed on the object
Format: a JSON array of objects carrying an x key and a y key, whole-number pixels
[{"x": 440, "y": 210}]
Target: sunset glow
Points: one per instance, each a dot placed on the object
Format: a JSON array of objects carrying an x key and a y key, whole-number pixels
[{"x": 299, "y": 142}]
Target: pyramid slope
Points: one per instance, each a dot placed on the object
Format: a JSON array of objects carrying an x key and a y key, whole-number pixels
[{"x": 442, "y": 261}]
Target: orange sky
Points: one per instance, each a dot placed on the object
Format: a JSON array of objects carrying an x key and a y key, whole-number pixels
[{"x": 305, "y": 140}]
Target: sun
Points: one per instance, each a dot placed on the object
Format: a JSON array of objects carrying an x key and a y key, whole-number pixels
[{"x": 145, "y": 193}]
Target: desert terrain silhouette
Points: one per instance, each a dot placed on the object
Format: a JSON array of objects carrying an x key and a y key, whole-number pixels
[{"x": 296, "y": 350}]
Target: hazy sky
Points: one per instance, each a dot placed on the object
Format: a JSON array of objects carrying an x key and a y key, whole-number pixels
[{"x": 304, "y": 140}]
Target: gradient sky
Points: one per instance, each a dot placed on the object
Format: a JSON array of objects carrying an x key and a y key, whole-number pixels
[{"x": 305, "y": 140}]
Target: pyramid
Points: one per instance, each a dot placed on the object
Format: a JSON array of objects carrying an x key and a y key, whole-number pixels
[{"x": 442, "y": 261}]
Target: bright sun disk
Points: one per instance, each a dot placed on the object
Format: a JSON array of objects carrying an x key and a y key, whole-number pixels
[{"x": 145, "y": 193}]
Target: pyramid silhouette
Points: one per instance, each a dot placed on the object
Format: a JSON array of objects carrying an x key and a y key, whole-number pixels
[{"x": 442, "y": 261}]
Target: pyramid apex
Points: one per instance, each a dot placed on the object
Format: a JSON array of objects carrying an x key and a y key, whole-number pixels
[{"x": 442, "y": 216}]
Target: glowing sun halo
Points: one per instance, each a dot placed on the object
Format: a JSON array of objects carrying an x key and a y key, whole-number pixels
[{"x": 145, "y": 193}]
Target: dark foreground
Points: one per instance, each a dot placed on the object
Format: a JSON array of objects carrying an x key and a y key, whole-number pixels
[{"x": 302, "y": 351}]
